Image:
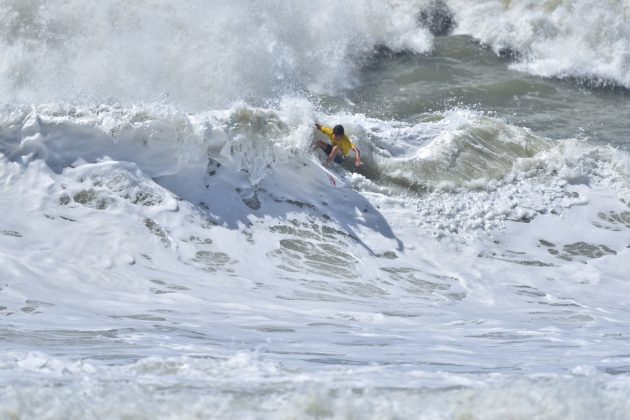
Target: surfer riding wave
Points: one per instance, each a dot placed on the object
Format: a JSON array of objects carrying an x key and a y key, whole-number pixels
[{"x": 341, "y": 145}]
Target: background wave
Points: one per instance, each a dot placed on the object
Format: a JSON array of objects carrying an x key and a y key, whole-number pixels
[
  {"x": 194, "y": 54},
  {"x": 210, "y": 53},
  {"x": 584, "y": 39}
]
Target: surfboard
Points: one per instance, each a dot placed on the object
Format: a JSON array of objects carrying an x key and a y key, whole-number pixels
[{"x": 327, "y": 175}]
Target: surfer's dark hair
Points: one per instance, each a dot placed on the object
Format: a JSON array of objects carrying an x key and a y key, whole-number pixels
[{"x": 338, "y": 130}]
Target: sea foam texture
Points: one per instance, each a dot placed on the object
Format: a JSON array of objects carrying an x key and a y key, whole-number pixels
[
  {"x": 210, "y": 53},
  {"x": 156, "y": 261},
  {"x": 584, "y": 39},
  {"x": 197, "y": 54}
]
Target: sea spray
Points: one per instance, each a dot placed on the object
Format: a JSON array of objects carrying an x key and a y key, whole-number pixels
[
  {"x": 170, "y": 246},
  {"x": 586, "y": 39},
  {"x": 197, "y": 54}
]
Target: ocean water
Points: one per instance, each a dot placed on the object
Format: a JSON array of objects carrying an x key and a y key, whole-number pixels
[{"x": 170, "y": 248}]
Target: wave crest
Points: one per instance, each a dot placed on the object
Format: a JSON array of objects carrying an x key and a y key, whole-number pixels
[
  {"x": 196, "y": 54},
  {"x": 585, "y": 39}
]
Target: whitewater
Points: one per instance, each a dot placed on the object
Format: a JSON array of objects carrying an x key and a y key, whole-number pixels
[{"x": 170, "y": 246}]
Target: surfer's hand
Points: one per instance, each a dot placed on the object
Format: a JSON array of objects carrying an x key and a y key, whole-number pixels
[
  {"x": 358, "y": 163},
  {"x": 318, "y": 126}
]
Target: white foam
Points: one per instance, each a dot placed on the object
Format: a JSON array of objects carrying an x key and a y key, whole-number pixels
[
  {"x": 160, "y": 263},
  {"x": 210, "y": 54},
  {"x": 195, "y": 54},
  {"x": 581, "y": 39},
  {"x": 253, "y": 276},
  {"x": 196, "y": 387}
]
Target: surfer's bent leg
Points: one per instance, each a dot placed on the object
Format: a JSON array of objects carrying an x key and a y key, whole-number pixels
[{"x": 334, "y": 153}]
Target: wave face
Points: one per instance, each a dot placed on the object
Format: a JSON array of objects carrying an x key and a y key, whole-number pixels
[
  {"x": 194, "y": 54},
  {"x": 146, "y": 248},
  {"x": 585, "y": 39}
]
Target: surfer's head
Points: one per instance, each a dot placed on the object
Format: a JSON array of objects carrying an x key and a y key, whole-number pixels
[{"x": 338, "y": 131}]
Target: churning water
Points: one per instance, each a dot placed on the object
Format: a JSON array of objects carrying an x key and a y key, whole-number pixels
[{"x": 169, "y": 249}]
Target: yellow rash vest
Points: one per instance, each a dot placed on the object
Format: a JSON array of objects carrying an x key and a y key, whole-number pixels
[{"x": 344, "y": 143}]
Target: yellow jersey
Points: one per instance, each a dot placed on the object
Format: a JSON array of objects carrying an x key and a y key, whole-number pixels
[{"x": 344, "y": 143}]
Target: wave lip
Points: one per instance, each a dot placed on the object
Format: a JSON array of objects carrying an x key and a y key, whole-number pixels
[{"x": 467, "y": 150}]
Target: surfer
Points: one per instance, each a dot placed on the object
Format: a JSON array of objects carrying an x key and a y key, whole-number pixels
[{"x": 340, "y": 147}]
